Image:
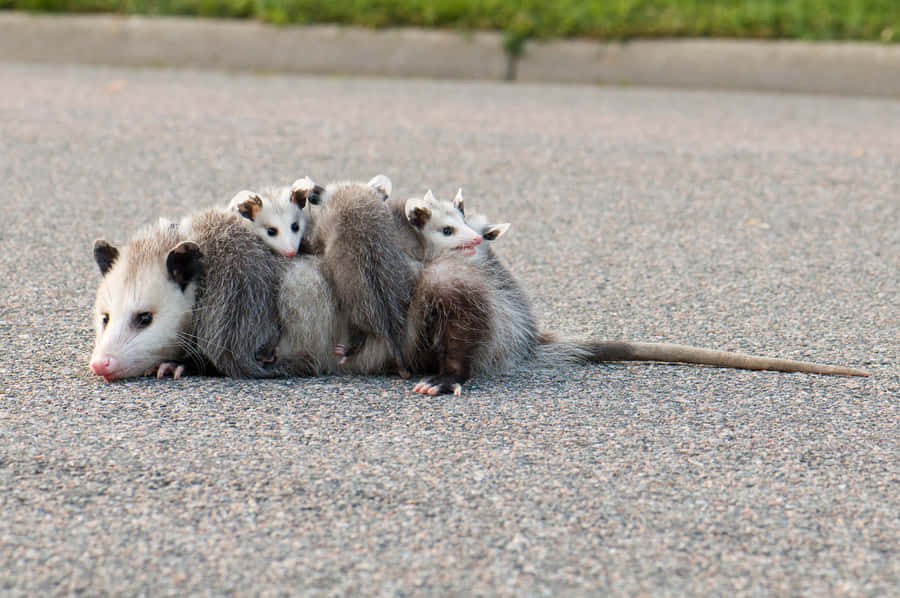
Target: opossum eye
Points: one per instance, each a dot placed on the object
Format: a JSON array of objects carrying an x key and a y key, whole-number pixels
[
  {"x": 295, "y": 227},
  {"x": 271, "y": 231},
  {"x": 143, "y": 319},
  {"x": 448, "y": 230},
  {"x": 104, "y": 319}
]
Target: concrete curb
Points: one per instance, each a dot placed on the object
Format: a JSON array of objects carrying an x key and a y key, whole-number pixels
[{"x": 811, "y": 67}]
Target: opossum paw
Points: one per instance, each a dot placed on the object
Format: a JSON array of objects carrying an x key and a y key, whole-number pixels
[
  {"x": 344, "y": 352},
  {"x": 169, "y": 367},
  {"x": 264, "y": 358},
  {"x": 403, "y": 373},
  {"x": 439, "y": 385}
]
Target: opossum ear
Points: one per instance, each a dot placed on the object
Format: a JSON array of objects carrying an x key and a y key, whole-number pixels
[
  {"x": 417, "y": 212},
  {"x": 105, "y": 255},
  {"x": 183, "y": 263},
  {"x": 458, "y": 202},
  {"x": 493, "y": 231},
  {"x": 304, "y": 190},
  {"x": 382, "y": 184},
  {"x": 247, "y": 204}
]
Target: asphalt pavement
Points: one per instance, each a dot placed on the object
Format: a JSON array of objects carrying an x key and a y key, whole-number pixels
[{"x": 766, "y": 224}]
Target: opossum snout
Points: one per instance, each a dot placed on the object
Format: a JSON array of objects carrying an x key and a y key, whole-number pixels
[
  {"x": 290, "y": 252},
  {"x": 105, "y": 366}
]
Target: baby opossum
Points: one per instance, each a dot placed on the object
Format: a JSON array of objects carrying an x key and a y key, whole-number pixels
[
  {"x": 468, "y": 308},
  {"x": 471, "y": 316},
  {"x": 362, "y": 258},
  {"x": 202, "y": 294},
  {"x": 276, "y": 215}
]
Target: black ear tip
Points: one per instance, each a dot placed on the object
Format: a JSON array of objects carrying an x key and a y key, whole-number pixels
[
  {"x": 299, "y": 198},
  {"x": 105, "y": 255},
  {"x": 315, "y": 194}
]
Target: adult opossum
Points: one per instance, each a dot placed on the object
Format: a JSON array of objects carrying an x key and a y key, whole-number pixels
[{"x": 209, "y": 292}]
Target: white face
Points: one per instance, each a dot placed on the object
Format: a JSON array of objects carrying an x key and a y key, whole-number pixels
[
  {"x": 141, "y": 320},
  {"x": 281, "y": 227},
  {"x": 274, "y": 218},
  {"x": 442, "y": 226},
  {"x": 447, "y": 230}
]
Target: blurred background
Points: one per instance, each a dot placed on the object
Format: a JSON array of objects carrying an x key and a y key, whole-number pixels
[{"x": 543, "y": 19}]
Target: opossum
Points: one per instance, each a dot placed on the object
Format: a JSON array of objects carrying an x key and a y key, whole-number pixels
[
  {"x": 276, "y": 215},
  {"x": 209, "y": 293},
  {"x": 468, "y": 308},
  {"x": 471, "y": 316},
  {"x": 201, "y": 294},
  {"x": 362, "y": 258}
]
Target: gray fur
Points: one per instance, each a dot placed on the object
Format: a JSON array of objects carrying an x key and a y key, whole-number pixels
[
  {"x": 361, "y": 257},
  {"x": 236, "y": 318}
]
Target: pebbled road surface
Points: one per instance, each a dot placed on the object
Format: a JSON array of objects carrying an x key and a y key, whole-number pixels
[{"x": 761, "y": 223}]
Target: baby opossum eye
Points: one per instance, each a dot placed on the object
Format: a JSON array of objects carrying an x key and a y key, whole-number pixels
[
  {"x": 143, "y": 319},
  {"x": 271, "y": 231},
  {"x": 104, "y": 319},
  {"x": 448, "y": 230},
  {"x": 295, "y": 227}
]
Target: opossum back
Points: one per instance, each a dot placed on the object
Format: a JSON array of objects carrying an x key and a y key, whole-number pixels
[
  {"x": 237, "y": 312},
  {"x": 363, "y": 259}
]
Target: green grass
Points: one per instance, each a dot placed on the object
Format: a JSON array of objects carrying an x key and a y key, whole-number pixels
[{"x": 544, "y": 19}]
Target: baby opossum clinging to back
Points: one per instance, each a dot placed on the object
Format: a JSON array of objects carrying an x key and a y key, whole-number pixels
[
  {"x": 471, "y": 316},
  {"x": 371, "y": 252},
  {"x": 276, "y": 215},
  {"x": 362, "y": 259}
]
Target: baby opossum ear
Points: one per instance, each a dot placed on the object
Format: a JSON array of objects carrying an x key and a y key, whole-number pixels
[
  {"x": 417, "y": 212},
  {"x": 247, "y": 204},
  {"x": 304, "y": 190},
  {"x": 495, "y": 230},
  {"x": 382, "y": 184},
  {"x": 183, "y": 263},
  {"x": 458, "y": 202},
  {"x": 105, "y": 255}
]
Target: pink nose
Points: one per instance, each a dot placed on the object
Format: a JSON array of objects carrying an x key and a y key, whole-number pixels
[
  {"x": 476, "y": 241},
  {"x": 104, "y": 365},
  {"x": 290, "y": 253}
]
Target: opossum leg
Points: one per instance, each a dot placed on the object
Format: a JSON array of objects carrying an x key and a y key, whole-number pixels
[
  {"x": 355, "y": 342},
  {"x": 397, "y": 352},
  {"x": 459, "y": 339}
]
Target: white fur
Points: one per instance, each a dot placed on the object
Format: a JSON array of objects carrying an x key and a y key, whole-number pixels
[
  {"x": 123, "y": 349},
  {"x": 279, "y": 222},
  {"x": 445, "y": 228}
]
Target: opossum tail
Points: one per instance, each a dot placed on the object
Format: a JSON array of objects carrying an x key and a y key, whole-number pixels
[{"x": 552, "y": 352}]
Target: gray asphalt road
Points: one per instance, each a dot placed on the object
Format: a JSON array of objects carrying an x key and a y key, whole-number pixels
[{"x": 761, "y": 223}]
